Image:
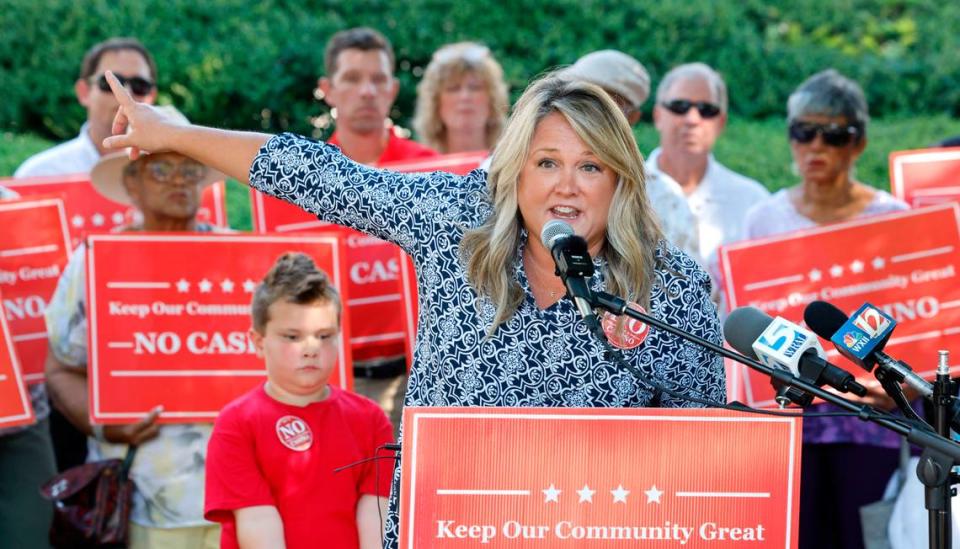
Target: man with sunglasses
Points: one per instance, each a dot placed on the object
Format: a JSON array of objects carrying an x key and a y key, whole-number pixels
[
  {"x": 168, "y": 472},
  {"x": 130, "y": 61},
  {"x": 627, "y": 82},
  {"x": 690, "y": 114}
]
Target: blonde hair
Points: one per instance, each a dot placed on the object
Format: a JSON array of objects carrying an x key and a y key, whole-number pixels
[
  {"x": 633, "y": 232},
  {"x": 452, "y": 63}
]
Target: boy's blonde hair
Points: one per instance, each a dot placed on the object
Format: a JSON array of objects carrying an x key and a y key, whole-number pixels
[{"x": 294, "y": 278}]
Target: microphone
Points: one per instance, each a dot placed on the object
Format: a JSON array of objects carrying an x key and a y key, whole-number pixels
[
  {"x": 779, "y": 343},
  {"x": 573, "y": 262},
  {"x": 861, "y": 338}
]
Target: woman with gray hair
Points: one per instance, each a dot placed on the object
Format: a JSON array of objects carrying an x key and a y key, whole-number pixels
[
  {"x": 494, "y": 329},
  {"x": 462, "y": 100},
  {"x": 846, "y": 462}
]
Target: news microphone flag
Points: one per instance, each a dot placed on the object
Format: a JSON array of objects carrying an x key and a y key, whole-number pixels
[
  {"x": 863, "y": 334},
  {"x": 782, "y": 344}
]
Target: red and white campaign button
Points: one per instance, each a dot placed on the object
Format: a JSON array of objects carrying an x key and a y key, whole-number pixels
[
  {"x": 294, "y": 433},
  {"x": 633, "y": 333}
]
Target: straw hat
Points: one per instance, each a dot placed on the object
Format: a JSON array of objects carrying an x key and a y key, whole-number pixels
[{"x": 107, "y": 174}]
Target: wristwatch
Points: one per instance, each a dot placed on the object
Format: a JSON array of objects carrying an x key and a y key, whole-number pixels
[{"x": 98, "y": 432}]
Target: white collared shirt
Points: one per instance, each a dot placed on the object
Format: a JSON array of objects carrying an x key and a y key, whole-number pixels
[
  {"x": 78, "y": 155},
  {"x": 720, "y": 202}
]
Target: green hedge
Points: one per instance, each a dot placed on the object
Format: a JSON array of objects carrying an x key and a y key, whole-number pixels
[{"x": 253, "y": 64}]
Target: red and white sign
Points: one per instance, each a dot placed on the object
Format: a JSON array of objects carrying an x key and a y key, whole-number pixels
[
  {"x": 904, "y": 263},
  {"x": 15, "y": 408},
  {"x": 33, "y": 252},
  {"x": 377, "y": 295},
  {"x": 169, "y": 315},
  {"x": 598, "y": 478},
  {"x": 89, "y": 211},
  {"x": 926, "y": 176}
]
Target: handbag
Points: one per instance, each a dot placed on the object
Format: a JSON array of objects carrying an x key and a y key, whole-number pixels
[{"x": 91, "y": 504}]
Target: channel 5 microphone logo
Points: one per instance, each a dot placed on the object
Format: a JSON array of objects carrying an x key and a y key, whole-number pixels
[{"x": 783, "y": 337}]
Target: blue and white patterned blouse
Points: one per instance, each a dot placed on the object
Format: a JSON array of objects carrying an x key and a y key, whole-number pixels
[{"x": 536, "y": 358}]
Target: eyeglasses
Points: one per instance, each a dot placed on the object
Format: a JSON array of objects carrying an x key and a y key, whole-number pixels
[
  {"x": 834, "y": 135},
  {"x": 138, "y": 85},
  {"x": 681, "y": 106},
  {"x": 164, "y": 171}
]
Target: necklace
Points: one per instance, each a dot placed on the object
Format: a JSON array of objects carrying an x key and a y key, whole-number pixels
[{"x": 541, "y": 282}]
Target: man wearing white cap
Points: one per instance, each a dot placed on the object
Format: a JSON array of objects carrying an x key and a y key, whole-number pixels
[
  {"x": 168, "y": 470},
  {"x": 628, "y": 84}
]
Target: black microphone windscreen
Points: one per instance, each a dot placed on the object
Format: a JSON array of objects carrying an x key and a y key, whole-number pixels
[
  {"x": 554, "y": 229},
  {"x": 824, "y": 318},
  {"x": 743, "y": 326}
]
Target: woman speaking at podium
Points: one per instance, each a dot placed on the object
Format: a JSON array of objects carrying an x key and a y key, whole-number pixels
[{"x": 494, "y": 329}]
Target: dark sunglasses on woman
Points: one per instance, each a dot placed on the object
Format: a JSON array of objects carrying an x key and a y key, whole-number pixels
[
  {"x": 681, "y": 106},
  {"x": 834, "y": 135},
  {"x": 138, "y": 85}
]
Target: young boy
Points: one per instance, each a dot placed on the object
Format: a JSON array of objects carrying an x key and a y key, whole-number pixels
[{"x": 270, "y": 461}]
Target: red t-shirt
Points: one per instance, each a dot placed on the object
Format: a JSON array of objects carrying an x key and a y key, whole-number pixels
[
  {"x": 397, "y": 149},
  {"x": 264, "y": 452}
]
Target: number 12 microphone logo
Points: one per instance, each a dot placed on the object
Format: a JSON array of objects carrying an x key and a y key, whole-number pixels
[{"x": 871, "y": 321}]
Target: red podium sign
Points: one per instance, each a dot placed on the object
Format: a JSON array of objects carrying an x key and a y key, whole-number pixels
[
  {"x": 598, "y": 478},
  {"x": 15, "y": 406},
  {"x": 33, "y": 251},
  {"x": 926, "y": 176},
  {"x": 169, "y": 315},
  {"x": 87, "y": 210},
  {"x": 905, "y": 263},
  {"x": 376, "y": 290}
]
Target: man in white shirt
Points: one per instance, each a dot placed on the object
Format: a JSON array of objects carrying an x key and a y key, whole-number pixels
[
  {"x": 628, "y": 84},
  {"x": 690, "y": 114},
  {"x": 129, "y": 60},
  {"x": 134, "y": 65}
]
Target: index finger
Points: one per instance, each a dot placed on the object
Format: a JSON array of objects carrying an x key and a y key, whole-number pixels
[{"x": 121, "y": 93}]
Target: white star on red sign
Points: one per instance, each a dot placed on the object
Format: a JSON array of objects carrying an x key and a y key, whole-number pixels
[
  {"x": 117, "y": 218},
  {"x": 551, "y": 494},
  {"x": 249, "y": 286},
  {"x": 205, "y": 286},
  {"x": 653, "y": 494},
  {"x": 586, "y": 494},
  {"x": 836, "y": 271},
  {"x": 878, "y": 263},
  {"x": 856, "y": 266},
  {"x": 77, "y": 221},
  {"x": 815, "y": 275},
  {"x": 97, "y": 220},
  {"x": 183, "y": 286},
  {"x": 226, "y": 286},
  {"x": 620, "y": 494}
]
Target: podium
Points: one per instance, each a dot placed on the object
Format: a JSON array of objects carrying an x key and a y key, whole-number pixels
[{"x": 562, "y": 477}]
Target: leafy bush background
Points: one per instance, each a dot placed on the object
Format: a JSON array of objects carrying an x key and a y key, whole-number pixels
[{"x": 254, "y": 64}]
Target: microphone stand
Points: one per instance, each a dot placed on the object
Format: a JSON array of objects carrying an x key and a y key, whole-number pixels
[
  {"x": 935, "y": 469},
  {"x": 939, "y": 455}
]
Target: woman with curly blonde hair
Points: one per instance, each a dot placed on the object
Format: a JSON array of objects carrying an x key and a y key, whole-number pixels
[
  {"x": 495, "y": 327},
  {"x": 462, "y": 100}
]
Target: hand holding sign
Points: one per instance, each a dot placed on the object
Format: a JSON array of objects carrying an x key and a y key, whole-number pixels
[
  {"x": 138, "y": 125},
  {"x": 134, "y": 433}
]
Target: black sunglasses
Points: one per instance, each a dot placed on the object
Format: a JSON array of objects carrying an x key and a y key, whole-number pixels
[
  {"x": 681, "y": 106},
  {"x": 834, "y": 135},
  {"x": 138, "y": 86}
]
